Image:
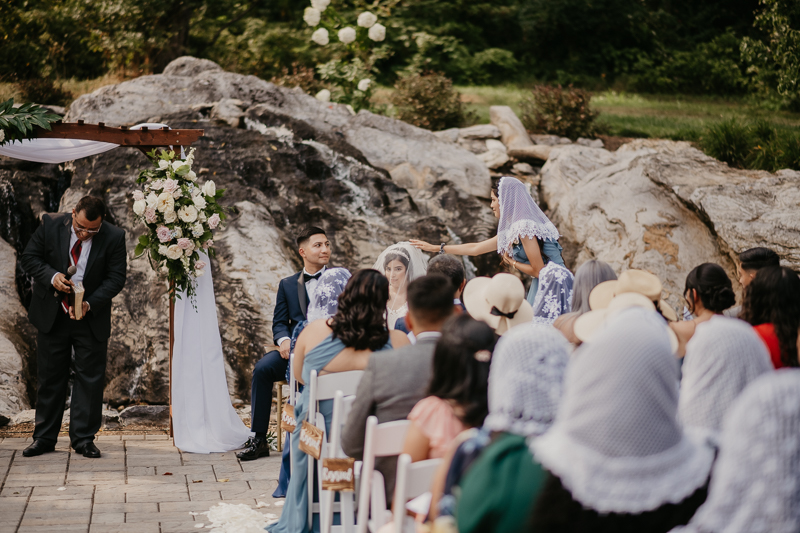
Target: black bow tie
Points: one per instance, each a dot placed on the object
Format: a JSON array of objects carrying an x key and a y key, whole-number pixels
[{"x": 309, "y": 277}]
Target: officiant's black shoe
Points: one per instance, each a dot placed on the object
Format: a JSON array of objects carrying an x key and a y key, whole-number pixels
[
  {"x": 88, "y": 450},
  {"x": 38, "y": 448},
  {"x": 258, "y": 448}
]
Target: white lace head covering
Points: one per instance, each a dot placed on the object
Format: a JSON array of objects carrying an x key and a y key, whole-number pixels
[
  {"x": 616, "y": 443},
  {"x": 554, "y": 297},
  {"x": 520, "y": 216},
  {"x": 723, "y": 356},
  {"x": 755, "y": 486},
  {"x": 525, "y": 380},
  {"x": 415, "y": 261},
  {"x": 325, "y": 300}
]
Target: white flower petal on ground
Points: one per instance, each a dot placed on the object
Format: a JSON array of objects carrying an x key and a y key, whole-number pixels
[
  {"x": 367, "y": 19},
  {"x": 364, "y": 84},
  {"x": 377, "y": 32},
  {"x": 311, "y": 16},
  {"x": 320, "y": 37},
  {"x": 323, "y": 96},
  {"x": 320, "y": 5},
  {"x": 347, "y": 35}
]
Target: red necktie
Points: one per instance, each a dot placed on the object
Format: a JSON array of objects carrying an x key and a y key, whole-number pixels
[{"x": 75, "y": 255}]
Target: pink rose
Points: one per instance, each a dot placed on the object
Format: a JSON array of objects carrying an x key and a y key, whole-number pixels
[
  {"x": 170, "y": 185},
  {"x": 213, "y": 221},
  {"x": 184, "y": 243},
  {"x": 209, "y": 242},
  {"x": 200, "y": 265},
  {"x": 164, "y": 234},
  {"x": 150, "y": 215},
  {"x": 137, "y": 196}
]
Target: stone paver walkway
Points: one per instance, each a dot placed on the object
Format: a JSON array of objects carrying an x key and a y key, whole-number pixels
[{"x": 141, "y": 483}]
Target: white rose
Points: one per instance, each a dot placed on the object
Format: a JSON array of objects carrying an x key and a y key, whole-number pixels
[
  {"x": 320, "y": 5},
  {"x": 177, "y": 194},
  {"x": 178, "y": 233},
  {"x": 377, "y": 32},
  {"x": 364, "y": 84},
  {"x": 347, "y": 35},
  {"x": 320, "y": 37},
  {"x": 367, "y": 19},
  {"x": 152, "y": 200},
  {"x": 177, "y": 164},
  {"x": 198, "y": 273},
  {"x": 209, "y": 189},
  {"x": 198, "y": 230},
  {"x": 199, "y": 202},
  {"x": 138, "y": 195},
  {"x": 191, "y": 176},
  {"x": 139, "y": 207},
  {"x": 163, "y": 164},
  {"x": 170, "y": 217},
  {"x": 201, "y": 216},
  {"x": 174, "y": 252},
  {"x": 311, "y": 16},
  {"x": 187, "y": 213},
  {"x": 323, "y": 96},
  {"x": 162, "y": 249},
  {"x": 165, "y": 202},
  {"x": 189, "y": 251}
]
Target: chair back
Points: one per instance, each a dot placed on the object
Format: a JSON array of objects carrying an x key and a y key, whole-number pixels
[{"x": 413, "y": 479}]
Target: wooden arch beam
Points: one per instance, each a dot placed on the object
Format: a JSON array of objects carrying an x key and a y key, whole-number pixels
[{"x": 143, "y": 138}]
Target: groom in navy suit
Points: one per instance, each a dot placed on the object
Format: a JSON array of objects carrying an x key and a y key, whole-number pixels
[{"x": 290, "y": 309}]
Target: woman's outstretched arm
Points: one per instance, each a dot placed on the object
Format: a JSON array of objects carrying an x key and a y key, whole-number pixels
[{"x": 473, "y": 248}]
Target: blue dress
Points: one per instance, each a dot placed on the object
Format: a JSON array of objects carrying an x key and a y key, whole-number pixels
[
  {"x": 551, "y": 252},
  {"x": 294, "y": 517}
]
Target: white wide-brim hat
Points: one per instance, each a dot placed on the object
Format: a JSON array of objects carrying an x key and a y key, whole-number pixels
[
  {"x": 635, "y": 281},
  {"x": 498, "y": 301}
]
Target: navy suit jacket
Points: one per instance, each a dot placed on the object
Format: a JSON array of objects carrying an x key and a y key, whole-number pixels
[{"x": 290, "y": 306}]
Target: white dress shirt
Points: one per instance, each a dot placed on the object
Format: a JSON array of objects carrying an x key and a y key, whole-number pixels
[
  {"x": 310, "y": 286},
  {"x": 86, "y": 248}
]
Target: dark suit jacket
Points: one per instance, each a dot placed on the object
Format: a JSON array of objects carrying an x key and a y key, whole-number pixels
[
  {"x": 290, "y": 306},
  {"x": 392, "y": 384},
  {"x": 48, "y": 253}
]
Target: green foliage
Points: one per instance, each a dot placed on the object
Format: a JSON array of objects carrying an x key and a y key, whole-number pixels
[
  {"x": 17, "y": 123},
  {"x": 729, "y": 141},
  {"x": 757, "y": 145},
  {"x": 44, "y": 91},
  {"x": 299, "y": 76},
  {"x": 344, "y": 78},
  {"x": 559, "y": 111},
  {"x": 429, "y": 101}
]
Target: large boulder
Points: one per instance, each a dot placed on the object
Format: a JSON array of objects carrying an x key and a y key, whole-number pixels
[
  {"x": 14, "y": 346},
  {"x": 190, "y": 83}
]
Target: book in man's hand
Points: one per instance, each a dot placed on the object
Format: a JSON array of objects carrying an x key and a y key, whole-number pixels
[{"x": 78, "y": 291}]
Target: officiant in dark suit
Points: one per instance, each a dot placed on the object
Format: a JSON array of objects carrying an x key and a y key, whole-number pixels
[
  {"x": 291, "y": 306},
  {"x": 97, "y": 249}
]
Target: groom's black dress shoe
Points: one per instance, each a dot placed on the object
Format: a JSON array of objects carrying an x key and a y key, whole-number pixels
[
  {"x": 88, "y": 450},
  {"x": 38, "y": 448},
  {"x": 256, "y": 447}
]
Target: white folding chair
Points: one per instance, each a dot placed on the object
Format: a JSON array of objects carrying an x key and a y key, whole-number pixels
[
  {"x": 341, "y": 409},
  {"x": 413, "y": 479},
  {"x": 324, "y": 388},
  {"x": 381, "y": 440}
]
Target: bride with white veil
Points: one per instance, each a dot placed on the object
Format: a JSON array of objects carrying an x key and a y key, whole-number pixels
[{"x": 401, "y": 263}]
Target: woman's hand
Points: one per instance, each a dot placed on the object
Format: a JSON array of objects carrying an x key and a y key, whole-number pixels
[
  {"x": 424, "y": 246},
  {"x": 510, "y": 261}
]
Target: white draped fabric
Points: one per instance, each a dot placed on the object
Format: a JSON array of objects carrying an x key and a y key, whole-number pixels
[{"x": 204, "y": 420}]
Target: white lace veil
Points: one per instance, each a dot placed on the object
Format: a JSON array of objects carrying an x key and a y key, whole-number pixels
[
  {"x": 616, "y": 443},
  {"x": 520, "y": 216},
  {"x": 525, "y": 380},
  {"x": 554, "y": 297},
  {"x": 325, "y": 300},
  {"x": 415, "y": 261},
  {"x": 755, "y": 487},
  {"x": 723, "y": 356}
]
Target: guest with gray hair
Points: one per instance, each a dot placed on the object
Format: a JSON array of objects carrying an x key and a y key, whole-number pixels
[{"x": 590, "y": 274}]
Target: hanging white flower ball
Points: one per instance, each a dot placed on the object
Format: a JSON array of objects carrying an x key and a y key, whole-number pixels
[
  {"x": 347, "y": 35},
  {"x": 312, "y": 16},
  {"x": 320, "y": 37},
  {"x": 323, "y": 96},
  {"x": 367, "y": 19},
  {"x": 377, "y": 32},
  {"x": 320, "y": 5},
  {"x": 364, "y": 84}
]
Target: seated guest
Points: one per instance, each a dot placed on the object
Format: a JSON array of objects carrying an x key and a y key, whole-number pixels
[
  {"x": 452, "y": 268},
  {"x": 498, "y": 301},
  {"x": 708, "y": 292},
  {"x": 617, "y": 457},
  {"x": 755, "y": 484},
  {"x": 525, "y": 383},
  {"x": 338, "y": 344},
  {"x": 750, "y": 262},
  {"x": 721, "y": 359},
  {"x": 554, "y": 297},
  {"x": 772, "y": 306},
  {"x": 587, "y": 277},
  {"x": 395, "y": 380}
]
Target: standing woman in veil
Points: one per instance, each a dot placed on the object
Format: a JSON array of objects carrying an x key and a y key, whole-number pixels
[
  {"x": 525, "y": 238},
  {"x": 401, "y": 263}
]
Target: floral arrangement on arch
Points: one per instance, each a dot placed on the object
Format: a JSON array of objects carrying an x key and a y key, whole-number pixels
[{"x": 180, "y": 215}]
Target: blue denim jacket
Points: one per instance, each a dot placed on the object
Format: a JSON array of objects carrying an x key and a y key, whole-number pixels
[{"x": 552, "y": 252}]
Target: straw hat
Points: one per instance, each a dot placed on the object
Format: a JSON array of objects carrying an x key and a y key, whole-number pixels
[
  {"x": 633, "y": 280},
  {"x": 588, "y": 324},
  {"x": 498, "y": 301}
]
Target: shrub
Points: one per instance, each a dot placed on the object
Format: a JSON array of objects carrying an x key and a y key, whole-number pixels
[
  {"x": 429, "y": 101},
  {"x": 44, "y": 91},
  {"x": 729, "y": 141},
  {"x": 757, "y": 146},
  {"x": 559, "y": 111},
  {"x": 299, "y": 76}
]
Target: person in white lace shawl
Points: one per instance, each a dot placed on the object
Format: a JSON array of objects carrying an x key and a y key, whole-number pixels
[
  {"x": 618, "y": 458},
  {"x": 755, "y": 484},
  {"x": 325, "y": 300},
  {"x": 554, "y": 297},
  {"x": 723, "y": 356}
]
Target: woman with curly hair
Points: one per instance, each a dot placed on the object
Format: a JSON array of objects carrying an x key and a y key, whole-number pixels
[
  {"x": 772, "y": 306},
  {"x": 341, "y": 343}
]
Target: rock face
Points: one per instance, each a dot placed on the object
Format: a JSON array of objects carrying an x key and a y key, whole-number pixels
[
  {"x": 666, "y": 207},
  {"x": 512, "y": 131}
]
